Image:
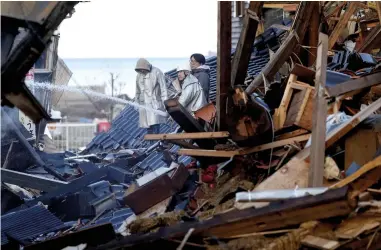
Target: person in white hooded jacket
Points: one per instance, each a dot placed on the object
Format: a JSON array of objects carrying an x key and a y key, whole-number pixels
[
  {"x": 192, "y": 96},
  {"x": 151, "y": 91}
]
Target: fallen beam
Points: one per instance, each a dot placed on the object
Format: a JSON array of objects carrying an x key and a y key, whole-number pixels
[
  {"x": 351, "y": 85},
  {"x": 295, "y": 172},
  {"x": 376, "y": 163},
  {"x": 242, "y": 54},
  {"x": 228, "y": 154},
  {"x": 274, "y": 144},
  {"x": 185, "y": 136},
  {"x": 286, "y": 6},
  {"x": 291, "y": 134},
  {"x": 372, "y": 41},
  {"x": 319, "y": 116},
  {"x": 352, "y": 7},
  {"x": 279, "y": 214},
  {"x": 30, "y": 181},
  {"x": 298, "y": 28}
]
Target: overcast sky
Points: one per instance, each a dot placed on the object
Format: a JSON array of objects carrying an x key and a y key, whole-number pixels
[{"x": 131, "y": 29}]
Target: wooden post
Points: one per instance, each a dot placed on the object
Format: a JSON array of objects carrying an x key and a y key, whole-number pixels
[
  {"x": 245, "y": 44},
  {"x": 351, "y": 8},
  {"x": 316, "y": 171},
  {"x": 224, "y": 30},
  {"x": 313, "y": 35}
]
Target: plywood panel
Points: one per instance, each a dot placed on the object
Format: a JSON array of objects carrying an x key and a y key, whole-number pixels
[{"x": 360, "y": 147}]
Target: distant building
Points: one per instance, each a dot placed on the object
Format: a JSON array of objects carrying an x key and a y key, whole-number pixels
[{"x": 75, "y": 106}]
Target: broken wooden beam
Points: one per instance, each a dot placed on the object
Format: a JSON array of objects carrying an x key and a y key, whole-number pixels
[
  {"x": 351, "y": 8},
  {"x": 291, "y": 134},
  {"x": 30, "y": 181},
  {"x": 285, "y": 6},
  {"x": 299, "y": 28},
  {"x": 272, "y": 67},
  {"x": 319, "y": 117},
  {"x": 295, "y": 172},
  {"x": 359, "y": 83},
  {"x": 224, "y": 34},
  {"x": 185, "y": 136},
  {"x": 242, "y": 54},
  {"x": 330, "y": 204},
  {"x": 208, "y": 153},
  {"x": 274, "y": 144},
  {"x": 372, "y": 40},
  {"x": 244, "y": 151},
  {"x": 372, "y": 173}
]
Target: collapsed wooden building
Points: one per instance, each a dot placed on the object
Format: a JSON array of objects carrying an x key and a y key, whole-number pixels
[{"x": 288, "y": 159}]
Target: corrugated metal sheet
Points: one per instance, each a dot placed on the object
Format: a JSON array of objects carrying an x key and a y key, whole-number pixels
[{"x": 29, "y": 223}]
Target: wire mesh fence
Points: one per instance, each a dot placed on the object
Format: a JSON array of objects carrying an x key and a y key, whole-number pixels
[{"x": 72, "y": 136}]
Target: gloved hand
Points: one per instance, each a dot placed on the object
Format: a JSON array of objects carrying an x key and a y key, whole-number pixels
[{"x": 170, "y": 119}]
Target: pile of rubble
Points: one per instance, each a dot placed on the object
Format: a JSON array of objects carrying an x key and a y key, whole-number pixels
[{"x": 261, "y": 184}]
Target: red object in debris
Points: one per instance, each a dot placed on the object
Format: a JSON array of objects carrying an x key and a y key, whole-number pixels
[
  {"x": 209, "y": 174},
  {"x": 103, "y": 127},
  {"x": 192, "y": 164}
]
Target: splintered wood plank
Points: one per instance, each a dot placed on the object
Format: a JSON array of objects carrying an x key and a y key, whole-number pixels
[
  {"x": 360, "y": 147},
  {"x": 274, "y": 220},
  {"x": 282, "y": 110},
  {"x": 221, "y": 153},
  {"x": 376, "y": 163},
  {"x": 320, "y": 243},
  {"x": 184, "y": 136},
  {"x": 295, "y": 172},
  {"x": 375, "y": 191},
  {"x": 319, "y": 117},
  {"x": 304, "y": 104},
  {"x": 295, "y": 106},
  {"x": 275, "y": 144},
  {"x": 372, "y": 40},
  {"x": 355, "y": 226},
  {"x": 242, "y": 54},
  {"x": 292, "y": 134},
  {"x": 278, "y": 215},
  {"x": 351, "y": 8},
  {"x": 208, "y": 153},
  {"x": 224, "y": 34}
]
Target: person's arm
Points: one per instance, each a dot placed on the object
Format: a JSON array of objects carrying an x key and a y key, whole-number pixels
[
  {"x": 137, "y": 90},
  {"x": 204, "y": 81},
  {"x": 186, "y": 97},
  {"x": 163, "y": 86}
]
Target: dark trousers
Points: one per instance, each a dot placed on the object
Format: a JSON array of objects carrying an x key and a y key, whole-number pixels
[{"x": 154, "y": 129}]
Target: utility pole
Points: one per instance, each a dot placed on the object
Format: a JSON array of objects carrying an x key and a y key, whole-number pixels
[{"x": 112, "y": 93}]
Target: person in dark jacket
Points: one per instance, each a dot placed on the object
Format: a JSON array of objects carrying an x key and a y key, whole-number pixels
[{"x": 201, "y": 72}]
